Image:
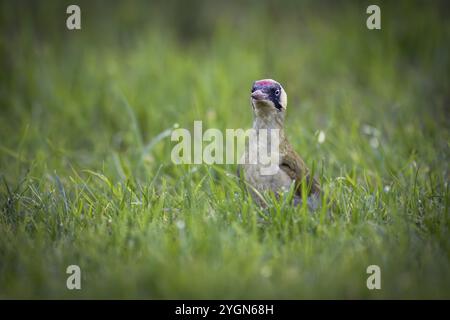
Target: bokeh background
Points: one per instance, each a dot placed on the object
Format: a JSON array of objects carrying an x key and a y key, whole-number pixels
[{"x": 86, "y": 175}]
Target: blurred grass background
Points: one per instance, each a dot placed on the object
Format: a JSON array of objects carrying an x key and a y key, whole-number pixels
[{"x": 85, "y": 119}]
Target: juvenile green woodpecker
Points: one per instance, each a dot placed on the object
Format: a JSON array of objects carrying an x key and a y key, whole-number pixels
[{"x": 269, "y": 102}]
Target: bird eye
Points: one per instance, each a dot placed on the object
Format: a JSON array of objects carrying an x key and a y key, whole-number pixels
[{"x": 277, "y": 92}]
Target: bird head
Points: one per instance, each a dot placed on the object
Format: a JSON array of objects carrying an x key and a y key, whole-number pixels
[{"x": 268, "y": 96}]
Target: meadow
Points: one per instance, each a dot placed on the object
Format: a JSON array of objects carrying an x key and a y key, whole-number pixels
[{"x": 86, "y": 176}]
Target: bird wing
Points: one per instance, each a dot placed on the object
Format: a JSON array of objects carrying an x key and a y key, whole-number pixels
[{"x": 296, "y": 169}]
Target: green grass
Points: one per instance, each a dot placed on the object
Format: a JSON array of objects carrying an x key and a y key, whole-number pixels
[{"x": 86, "y": 175}]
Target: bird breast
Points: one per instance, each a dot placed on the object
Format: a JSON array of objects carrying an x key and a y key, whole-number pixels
[{"x": 257, "y": 177}]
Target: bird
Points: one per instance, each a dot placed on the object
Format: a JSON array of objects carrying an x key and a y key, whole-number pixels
[{"x": 269, "y": 103}]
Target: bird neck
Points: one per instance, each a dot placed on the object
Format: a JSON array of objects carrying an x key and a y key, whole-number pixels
[
  {"x": 268, "y": 120},
  {"x": 269, "y": 126}
]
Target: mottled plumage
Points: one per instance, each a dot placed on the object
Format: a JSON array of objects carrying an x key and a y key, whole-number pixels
[{"x": 269, "y": 102}]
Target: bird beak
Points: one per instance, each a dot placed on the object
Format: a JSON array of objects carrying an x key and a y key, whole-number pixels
[{"x": 259, "y": 95}]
